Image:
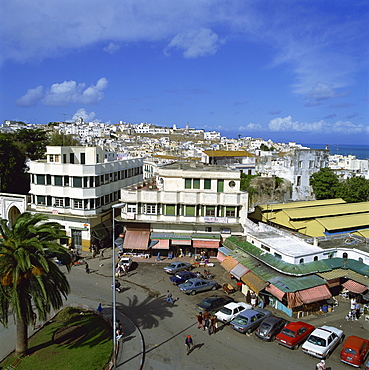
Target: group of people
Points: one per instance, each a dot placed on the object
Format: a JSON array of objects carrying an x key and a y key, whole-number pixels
[
  {"x": 207, "y": 322},
  {"x": 355, "y": 311}
]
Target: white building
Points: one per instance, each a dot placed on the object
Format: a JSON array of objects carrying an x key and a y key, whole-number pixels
[
  {"x": 191, "y": 205},
  {"x": 77, "y": 186}
]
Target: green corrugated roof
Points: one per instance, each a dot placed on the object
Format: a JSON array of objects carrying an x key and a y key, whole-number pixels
[
  {"x": 205, "y": 236},
  {"x": 293, "y": 284}
]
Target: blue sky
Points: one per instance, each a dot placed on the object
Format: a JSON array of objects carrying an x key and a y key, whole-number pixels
[{"x": 281, "y": 70}]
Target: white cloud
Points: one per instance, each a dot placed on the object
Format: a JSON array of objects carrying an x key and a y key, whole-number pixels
[
  {"x": 252, "y": 127},
  {"x": 321, "y": 91},
  {"x": 196, "y": 43},
  {"x": 65, "y": 93},
  {"x": 112, "y": 48},
  {"x": 31, "y": 97},
  {"x": 343, "y": 127},
  {"x": 86, "y": 116}
]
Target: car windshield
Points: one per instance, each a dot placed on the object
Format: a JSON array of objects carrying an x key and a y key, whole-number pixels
[
  {"x": 350, "y": 351},
  {"x": 317, "y": 341},
  {"x": 265, "y": 325},
  {"x": 240, "y": 320},
  {"x": 289, "y": 333},
  {"x": 226, "y": 311}
]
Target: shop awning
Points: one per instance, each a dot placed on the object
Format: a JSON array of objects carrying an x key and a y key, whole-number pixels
[
  {"x": 254, "y": 282},
  {"x": 239, "y": 270},
  {"x": 136, "y": 239},
  {"x": 161, "y": 244},
  {"x": 205, "y": 244},
  {"x": 354, "y": 287},
  {"x": 315, "y": 294},
  {"x": 119, "y": 242},
  {"x": 229, "y": 263},
  {"x": 275, "y": 291}
]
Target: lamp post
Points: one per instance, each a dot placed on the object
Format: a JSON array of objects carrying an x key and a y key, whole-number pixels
[{"x": 115, "y": 206}]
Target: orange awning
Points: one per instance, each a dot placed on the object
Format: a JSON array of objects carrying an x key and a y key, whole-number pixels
[
  {"x": 315, "y": 294},
  {"x": 162, "y": 244},
  {"x": 229, "y": 263},
  {"x": 136, "y": 239},
  {"x": 275, "y": 291},
  {"x": 254, "y": 282},
  {"x": 354, "y": 287},
  {"x": 205, "y": 244}
]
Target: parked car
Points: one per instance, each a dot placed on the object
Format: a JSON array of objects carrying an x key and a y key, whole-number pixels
[
  {"x": 174, "y": 267},
  {"x": 196, "y": 285},
  {"x": 270, "y": 327},
  {"x": 248, "y": 320},
  {"x": 354, "y": 351},
  {"x": 126, "y": 261},
  {"x": 231, "y": 310},
  {"x": 213, "y": 303},
  {"x": 322, "y": 341},
  {"x": 293, "y": 334},
  {"x": 182, "y": 276}
]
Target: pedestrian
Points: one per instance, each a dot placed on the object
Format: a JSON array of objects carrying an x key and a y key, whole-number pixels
[
  {"x": 206, "y": 319},
  {"x": 34, "y": 319},
  {"x": 200, "y": 319},
  {"x": 100, "y": 309},
  {"x": 189, "y": 343},
  {"x": 320, "y": 365},
  {"x": 357, "y": 310},
  {"x": 169, "y": 298},
  {"x": 117, "y": 286},
  {"x": 248, "y": 297},
  {"x": 101, "y": 254},
  {"x": 87, "y": 268},
  {"x": 214, "y": 324},
  {"x": 254, "y": 300},
  {"x": 119, "y": 332}
]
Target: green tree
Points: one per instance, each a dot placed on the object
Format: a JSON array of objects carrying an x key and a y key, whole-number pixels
[
  {"x": 30, "y": 279},
  {"x": 57, "y": 139},
  {"x": 13, "y": 171},
  {"x": 325, "y": 184},
  {"x": 32, "y": 142},
  {"x": 355, "y": 189}
]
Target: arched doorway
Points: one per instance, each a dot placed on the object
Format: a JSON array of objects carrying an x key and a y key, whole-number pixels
[{"x": 13, "y": 214}]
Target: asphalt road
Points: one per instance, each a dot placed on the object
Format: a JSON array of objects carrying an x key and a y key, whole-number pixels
[{"x": 165, "y": 327}]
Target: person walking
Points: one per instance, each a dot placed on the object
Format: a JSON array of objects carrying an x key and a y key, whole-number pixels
[
  {"x": 206, "y": 319},
  {"x": 100, "y": 309},
  {"x": 214, "y": 324},
  {"x": 200, "y": 319},
  {"x": 101, "y": 255},
  {"x": 189, "y": 343},
  {"x": 169, "y": 298},
  {"x": 87, "y": 268},
  {"x": 320, "y": 365},
  {"x": 357, "y": 310}
]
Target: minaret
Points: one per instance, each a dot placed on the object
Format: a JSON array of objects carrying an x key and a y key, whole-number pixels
[{"x": 187, "y": 128}]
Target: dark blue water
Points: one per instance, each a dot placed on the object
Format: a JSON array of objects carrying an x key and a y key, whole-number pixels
[{"x": 360, "y": 151}]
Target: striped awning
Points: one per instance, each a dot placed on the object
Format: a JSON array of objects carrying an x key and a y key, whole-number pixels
[
  {"x": 205, "y": 243},
  {"x": 229, "y": 263},
  {"x": 254, "y": 282},
  {"x": 316, "y": 294},
  {"x": 354, "y": 287},
  {"x": 181, "y": 242},
  {"x": 239, "y": 270},
  {"x": 161, "y": 244},
  {"x": 275, "y": 291},
  {"x": 136, "y": 239}
]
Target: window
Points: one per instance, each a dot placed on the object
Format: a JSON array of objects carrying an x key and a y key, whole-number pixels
[
  {"x": 64, "y": 158},
  {"x": 131, "y": 208},
  {"x": 59, "y": 202},
  {"x": 230, "y": 211},
  {"x": 77, "y": 182},
  {"x": 344, "y": 255},
  {"x": 41, "y": 200},
  {"x": 48, "y": 179},
  {"x": 58, "y": 180},
  {"x": 316, "y": 258},
  {"x": 298, "y": 181},
  {"x": 208, "y": 229},
  {"x": 92, "y": 203},
  {"x": 220, "y": 186},
  {"x": 83, "y": 158},
  {"x": 49, "y": 200},
  {"x": 85, "y": 182},
  {"x": 232, "y": 184},
  {"x": 210, "y": 211},
  {"x": 265, "y": 247},
  {"x": 67, "y": 202},
  {"x": 207, "y": 184},
  {"x": 301, "y": 261},
  {"x": 190, "y": 210},
  {"x": 188, "y": 183},
  {"x": 196, "y": 183},
  {"x": 66, "y": 180},
  {"x": 40, "y": 179},
  {"x": 170, "y": 210},
  {"x": 71, "y": 158},
  {"x": 77, "y": 203},
  {"x": 311, "y": 164},
  {"x": 278, "y": 256},
  {"x": 151, "y": 209},
  {"x": 301, "y": 164}
]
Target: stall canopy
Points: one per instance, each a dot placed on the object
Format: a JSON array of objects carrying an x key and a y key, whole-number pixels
[
  {"x": 254, "y": 282},
  {"x": 354, "y": 287},
  {"x": 160, "y": 244},
  {"x": 239, "y": 270},
  {"x": 136, "y": 239},
  {"x": 229, "y": 263},
  {"x": 205, "y": 243},
  {"x": 315, "y": 294},
  {"x": 275, "y": 291}
]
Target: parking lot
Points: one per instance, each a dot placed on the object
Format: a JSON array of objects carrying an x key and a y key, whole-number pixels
[{"x": 165, "y": 327}]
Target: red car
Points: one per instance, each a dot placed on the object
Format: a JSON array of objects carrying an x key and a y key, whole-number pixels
[
  {"x": 293, "y": 334},
  {"x": 354, "y": 350}
]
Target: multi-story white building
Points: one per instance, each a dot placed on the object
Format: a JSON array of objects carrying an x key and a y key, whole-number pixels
[
  {"x": 190, "y": 205},
  {"x": 77, "y": 186}
]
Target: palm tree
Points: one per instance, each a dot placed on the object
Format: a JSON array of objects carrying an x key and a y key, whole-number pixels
[{"x": 30, "y": 279}]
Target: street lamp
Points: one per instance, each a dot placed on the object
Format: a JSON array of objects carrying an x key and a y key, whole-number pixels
[{"x": 115, "y": 206}]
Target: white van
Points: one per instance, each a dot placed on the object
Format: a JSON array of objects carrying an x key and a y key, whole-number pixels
[{"x": 126, "y": 261}]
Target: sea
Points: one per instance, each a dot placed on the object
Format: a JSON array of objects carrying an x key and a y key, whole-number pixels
[{"x": 360, "y": 151}]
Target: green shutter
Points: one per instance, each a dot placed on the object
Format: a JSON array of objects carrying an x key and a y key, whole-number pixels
[
  {"x": 207, "y": 184},
  {"x": 190, "y": 210},
  {"x": 196, "y": 183},
  {"x": 220, "y": 187},
  {"x": 188, "y": 183},
  {"x": 170, "y": 210}
]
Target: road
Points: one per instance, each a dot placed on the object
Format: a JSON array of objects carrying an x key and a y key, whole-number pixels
[{"x": 165, "y": 327}]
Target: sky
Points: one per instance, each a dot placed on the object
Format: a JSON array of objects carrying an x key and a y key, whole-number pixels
[{"x": 283, "y": 70}]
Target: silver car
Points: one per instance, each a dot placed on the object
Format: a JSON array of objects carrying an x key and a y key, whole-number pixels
[
  {"x": 174, "y": 267},
  {"x": 195, "y": 285}
]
